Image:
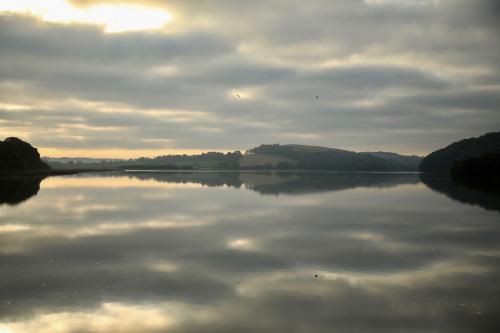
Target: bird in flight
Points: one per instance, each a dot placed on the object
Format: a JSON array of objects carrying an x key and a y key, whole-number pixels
[{"x": 237, "y": 95}]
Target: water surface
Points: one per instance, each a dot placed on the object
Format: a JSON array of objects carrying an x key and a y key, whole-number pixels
[{"x": 247, "y": 252}]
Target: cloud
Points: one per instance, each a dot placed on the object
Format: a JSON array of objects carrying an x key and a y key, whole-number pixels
[{"x": 390, "y": 75}]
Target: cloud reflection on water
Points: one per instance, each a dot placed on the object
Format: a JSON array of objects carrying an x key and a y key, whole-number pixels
[{"x": 125, "y": 254}]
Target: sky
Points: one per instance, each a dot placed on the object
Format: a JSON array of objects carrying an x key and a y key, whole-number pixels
[{"x": 95, "y": 78}]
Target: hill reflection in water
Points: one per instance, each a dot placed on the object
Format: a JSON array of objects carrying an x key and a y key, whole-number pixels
[
  {"x": 290, "y": 183},
  {"x": 188, "y": 252},
  {"x": 486, "y": 198},
  {"x": 15, "y": 190},
  {"x": 276, "y": 183}
]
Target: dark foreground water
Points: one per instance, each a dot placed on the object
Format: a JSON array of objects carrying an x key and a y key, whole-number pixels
[{"x": 229, "y": 252}]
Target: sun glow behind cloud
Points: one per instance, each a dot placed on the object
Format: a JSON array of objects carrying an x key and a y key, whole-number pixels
[{"x": 113, "y": 18}]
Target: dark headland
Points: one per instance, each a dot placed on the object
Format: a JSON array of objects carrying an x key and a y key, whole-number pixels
[
  {"x": 443, "y": 160},
  {"x": 19, "y": 158},
  {"x": 472, "y": 162}
]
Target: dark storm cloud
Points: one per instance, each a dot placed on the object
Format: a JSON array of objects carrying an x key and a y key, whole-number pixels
[{"x": 390, "y": 74}]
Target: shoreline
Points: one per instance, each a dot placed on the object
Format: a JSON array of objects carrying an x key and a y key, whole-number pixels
[
  {"x": 47, "y": 173},
  {"x": 62, "y": 172}
]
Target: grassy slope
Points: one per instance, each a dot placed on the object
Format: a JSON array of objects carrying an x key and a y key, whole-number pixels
[{"x": 259, "y": 159}]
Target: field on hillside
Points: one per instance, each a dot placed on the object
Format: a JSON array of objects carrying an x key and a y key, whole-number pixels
[{"x": 257, "y": 159}]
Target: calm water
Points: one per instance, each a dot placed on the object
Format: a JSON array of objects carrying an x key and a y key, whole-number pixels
[{"x": 229, "y": 252}]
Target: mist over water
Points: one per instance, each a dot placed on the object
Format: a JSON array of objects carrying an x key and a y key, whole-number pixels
[{"x": 248, "y": 252}]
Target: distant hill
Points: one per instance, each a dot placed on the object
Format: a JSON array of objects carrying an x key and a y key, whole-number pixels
[
  {"x": 79, "y": 160},
  {"x": 323, "y": 158},
  {"x": 263, "y": 157},
  {"x": 17, "y": 155},
  {"x": 412, "y": 161},
  {"x": 271, "y": 161},
  {"x": 209, "y": 160},
  {"x": 442, "y": 160}
]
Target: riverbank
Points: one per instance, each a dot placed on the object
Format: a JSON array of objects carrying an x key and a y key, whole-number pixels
[{"x": 46, "y": 173}]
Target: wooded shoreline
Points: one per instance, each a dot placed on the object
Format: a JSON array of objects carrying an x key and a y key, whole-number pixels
[{"x": 46, "y": 173}]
